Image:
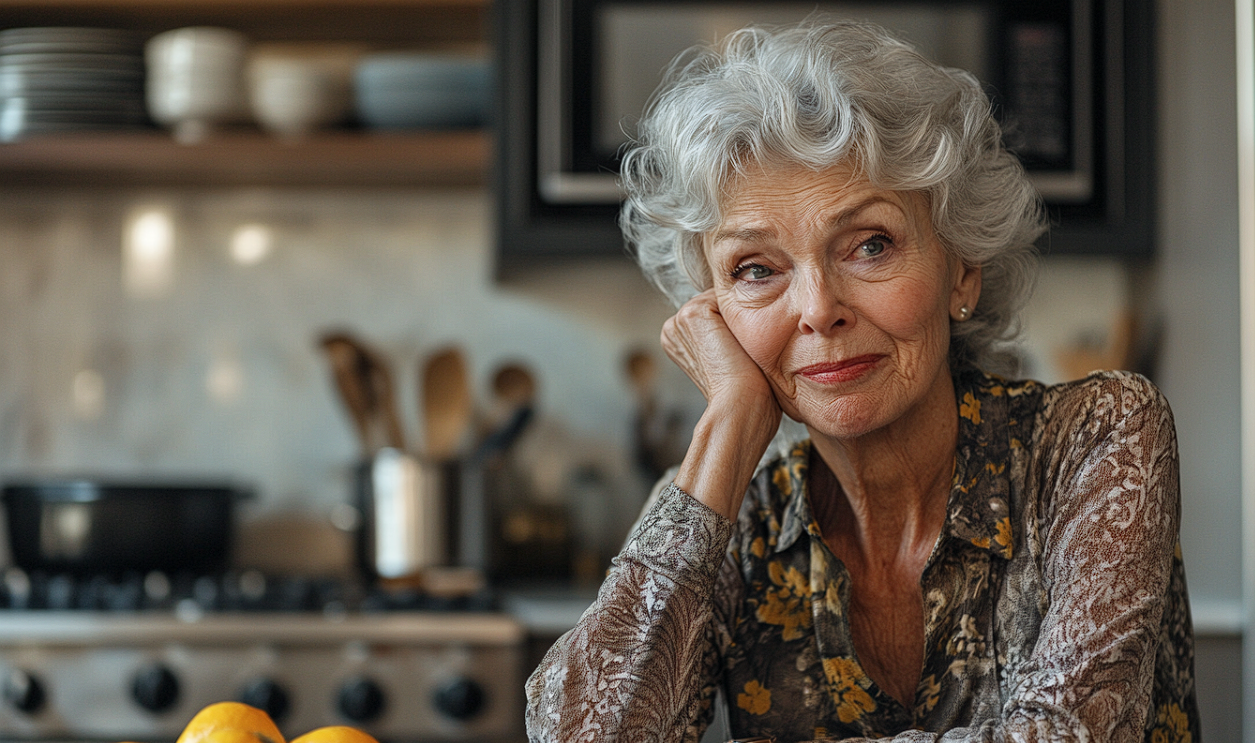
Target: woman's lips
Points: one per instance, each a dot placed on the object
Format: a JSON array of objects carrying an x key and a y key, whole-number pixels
[{"x": 847, "y": 370}]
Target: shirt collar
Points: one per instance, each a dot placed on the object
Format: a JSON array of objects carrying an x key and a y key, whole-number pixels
[{"x": 978, "y": 511}]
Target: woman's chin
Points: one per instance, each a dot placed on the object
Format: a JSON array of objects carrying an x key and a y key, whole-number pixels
[{"x": 848, "y": 417}]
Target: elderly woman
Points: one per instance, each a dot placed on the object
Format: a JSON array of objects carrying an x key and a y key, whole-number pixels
[{"x": 948, "y": 556}]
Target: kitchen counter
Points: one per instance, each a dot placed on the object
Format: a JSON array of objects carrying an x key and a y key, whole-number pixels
[{"x": 547, "y": 611}]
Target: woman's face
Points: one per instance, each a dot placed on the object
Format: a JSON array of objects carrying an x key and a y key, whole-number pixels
[{"x": 841, "y": 293}]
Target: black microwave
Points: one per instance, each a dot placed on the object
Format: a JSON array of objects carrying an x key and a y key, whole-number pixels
[{"x": 1072, "y": 81}]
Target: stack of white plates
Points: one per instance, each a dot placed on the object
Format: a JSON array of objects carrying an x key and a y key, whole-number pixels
[{"x": 55, "y": 80}]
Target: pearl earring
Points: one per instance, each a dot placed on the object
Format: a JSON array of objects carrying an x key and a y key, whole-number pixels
[{"x": 964, "y": 313}]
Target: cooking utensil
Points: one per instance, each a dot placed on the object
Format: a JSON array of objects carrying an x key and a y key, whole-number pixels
[
  {"x": 366, "y": 389},
  {"x": 527, "y": 539},
  {"x": 386, "y": 399},
  {"x": 515, "y": 390},
  {"x": 514, "y": 384},
  {"x": 86, "y": 525},
  {"x": 657, "y": 436},
  {"x": 446, "y": 399},
  {"x": 345, "y": 367}
]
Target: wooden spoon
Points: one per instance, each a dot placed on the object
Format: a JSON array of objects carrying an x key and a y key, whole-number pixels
[
  {"x": 346, "y": 361},
  {"x": 366, "y": 388},
  {"x": 446, "y": 399}
]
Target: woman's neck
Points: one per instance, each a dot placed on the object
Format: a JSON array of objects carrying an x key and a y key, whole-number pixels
[{"x": 884, "y": 494}]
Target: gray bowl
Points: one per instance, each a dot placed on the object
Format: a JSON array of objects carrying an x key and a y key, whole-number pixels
[{"x": 402, "y": 90}]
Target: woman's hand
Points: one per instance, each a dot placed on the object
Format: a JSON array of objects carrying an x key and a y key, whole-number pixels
[
  {"x": 742, "y": 413},
  {"x": 699, "y": 342}
]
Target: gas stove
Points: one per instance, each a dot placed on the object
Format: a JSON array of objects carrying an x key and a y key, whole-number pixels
[{"x": 133, "y": 657}]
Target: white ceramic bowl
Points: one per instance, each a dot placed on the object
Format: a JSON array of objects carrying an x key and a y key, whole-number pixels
[
  {"x": 196, "y": 79},
  {"x": 296, "y": 89},
  {"x": 410, "y": 90}
]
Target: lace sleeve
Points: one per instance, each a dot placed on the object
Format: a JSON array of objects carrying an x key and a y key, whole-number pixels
[
  {"x": 641, "y": 663},
  {"x": 1108, "y": 532}
]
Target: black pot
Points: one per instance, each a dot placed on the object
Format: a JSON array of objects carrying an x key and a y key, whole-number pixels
[{"x": 88, "y": 526}]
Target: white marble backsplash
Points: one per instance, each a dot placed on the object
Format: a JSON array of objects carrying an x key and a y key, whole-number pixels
[{"x": 174, "y": 332}]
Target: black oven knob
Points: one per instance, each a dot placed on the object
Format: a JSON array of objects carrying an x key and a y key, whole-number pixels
[
  {"x": 266, "y": 694},
  {"x": 361, "y": 700},
  {"x": 24, "y": 691},
  {"x": 155, "y": 688},
  {"x": 460, "y": 699}
]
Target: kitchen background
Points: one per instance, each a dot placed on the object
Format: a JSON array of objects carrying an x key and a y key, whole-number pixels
[{"x": 202, "y": 358}]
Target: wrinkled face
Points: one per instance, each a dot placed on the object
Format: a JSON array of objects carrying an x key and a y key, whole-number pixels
[{"x": 841, "y": 293}]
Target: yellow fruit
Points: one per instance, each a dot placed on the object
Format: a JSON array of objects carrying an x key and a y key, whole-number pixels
[
  {"x": 335, "y": 734},
  {"x": 231, "y": 735},
  {"x": 224, "y": 719}
]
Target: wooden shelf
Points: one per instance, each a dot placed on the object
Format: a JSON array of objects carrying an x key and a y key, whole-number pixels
[{"x": 249, "y": 158}]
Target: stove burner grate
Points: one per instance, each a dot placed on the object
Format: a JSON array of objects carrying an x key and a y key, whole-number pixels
[{"x": 191, "y": 595}]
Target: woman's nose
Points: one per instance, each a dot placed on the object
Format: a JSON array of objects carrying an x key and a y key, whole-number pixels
[{"x": 822, "y": 309}]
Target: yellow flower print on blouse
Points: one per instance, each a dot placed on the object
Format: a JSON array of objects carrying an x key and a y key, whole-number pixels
[
  {"x": 832, "y": 598},
  {"x": 848, "y": 686},
  {"x": 791, "y": 473},
  {"x": 1171, "y": 726},
  {"x": 931, "y": 694},
  {"x": 756, "y": 699},
  {"x": 970, "y": 408},
  {"x": 780, "y": 478},
  {"x": 825, "y": 580},
  {"x": 788, "y": 603},
  {"x": 1003, "y": 537},
  {"x": 798, "y": 469}
]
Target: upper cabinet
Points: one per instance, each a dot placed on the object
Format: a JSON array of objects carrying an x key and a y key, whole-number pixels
[{"x": 246, "y": 155}]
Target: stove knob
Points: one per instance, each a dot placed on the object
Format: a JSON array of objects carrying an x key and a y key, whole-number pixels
[
  {"x": 460, "y": 699},
  {"x": 24, "y": 691},
  {"x": 268, "y": 695},
  {"x": 155, "y": 688},
  {"x": 361, "y": 700}
]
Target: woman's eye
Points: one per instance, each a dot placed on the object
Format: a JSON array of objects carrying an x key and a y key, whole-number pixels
[
  {"x": 752, "y": 272},
  {"x": 873, "y": 247}
]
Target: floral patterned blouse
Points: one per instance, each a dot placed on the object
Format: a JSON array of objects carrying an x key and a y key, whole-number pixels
[{"x": 1054, "y": 599}]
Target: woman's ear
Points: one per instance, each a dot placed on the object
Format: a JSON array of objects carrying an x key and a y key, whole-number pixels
[{"x": 966, "y": 292}]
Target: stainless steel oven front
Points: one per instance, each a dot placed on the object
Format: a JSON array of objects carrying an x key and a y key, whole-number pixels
[{"x": 403, "y": 676}]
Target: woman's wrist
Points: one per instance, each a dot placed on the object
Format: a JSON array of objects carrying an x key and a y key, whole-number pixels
[{"x": 728, "y": 442}]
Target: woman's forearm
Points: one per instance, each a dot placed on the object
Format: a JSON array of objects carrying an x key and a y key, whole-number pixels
[
  {"x": 728, "y": 442},
  {"x": 741, "y": 415},
  {"x": 642, "y": 661}
]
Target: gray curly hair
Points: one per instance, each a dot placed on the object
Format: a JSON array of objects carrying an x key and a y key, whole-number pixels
[{"x": 822, "y": 93}]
